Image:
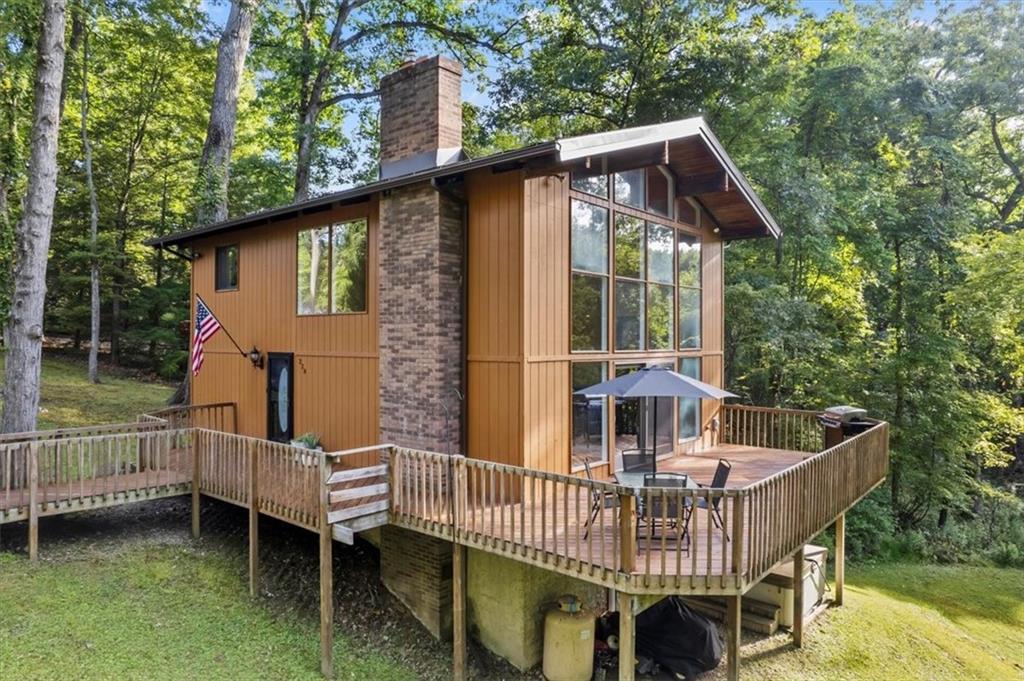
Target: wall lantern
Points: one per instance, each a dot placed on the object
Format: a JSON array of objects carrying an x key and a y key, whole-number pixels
[{"x": 256, "y": 357}]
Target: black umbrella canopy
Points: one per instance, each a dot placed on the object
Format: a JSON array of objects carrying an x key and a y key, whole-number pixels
[{"x": 656, "y": 382}]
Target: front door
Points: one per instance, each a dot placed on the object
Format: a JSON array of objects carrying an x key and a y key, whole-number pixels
[{"x": 280, "y": 380}]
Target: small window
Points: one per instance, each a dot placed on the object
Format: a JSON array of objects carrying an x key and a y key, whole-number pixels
[
  {"x": 592, "y": 182},
  {"x": 331, "y": 269},
  {"x": 227, "y": 268},
  {"x": 629, "y": 188},
  {"x": 660, "y": 192}
]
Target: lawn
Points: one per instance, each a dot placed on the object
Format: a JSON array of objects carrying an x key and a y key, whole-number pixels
[
  {"x": 907, "y": 621},
  {"x": 175, "y": 609},
  {"x": 69, "y": 399}
]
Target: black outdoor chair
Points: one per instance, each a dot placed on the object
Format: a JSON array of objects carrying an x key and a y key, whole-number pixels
[
  {"x": 599, "y": 499},
  {"x": 636, "y": 460},
  {"x": 660, "y": 512},
  {"x": 718, "y": 482}
]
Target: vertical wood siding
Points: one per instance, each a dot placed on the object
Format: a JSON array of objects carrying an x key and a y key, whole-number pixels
[
  {"x": 494, "y": 395},
  {"x": 335, "y": 377}
]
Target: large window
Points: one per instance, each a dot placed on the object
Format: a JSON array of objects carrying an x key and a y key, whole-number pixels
[
  {"x": 589, "y": 277},
  {"x": 331, "y": 271},
  {"x": 589, "y": 415},
  {"x": 226, "y": 268},
  {"x": 689, "y": 291},
  {"x": 689, "y": 407}
]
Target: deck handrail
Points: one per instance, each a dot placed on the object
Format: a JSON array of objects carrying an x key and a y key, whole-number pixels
[
  {"x": 80, "y": 431},
  {"x": 219, "y": 416},
  {"x": 795, "y": 430}
]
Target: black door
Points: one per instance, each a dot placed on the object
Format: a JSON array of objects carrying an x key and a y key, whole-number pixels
[{"x": 280, "y": 382}]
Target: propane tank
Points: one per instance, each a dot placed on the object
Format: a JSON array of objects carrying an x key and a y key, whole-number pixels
[{"x": 568, "y": 642}]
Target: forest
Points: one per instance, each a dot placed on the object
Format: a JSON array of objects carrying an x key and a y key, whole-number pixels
[{"x": 887, "y": 140}]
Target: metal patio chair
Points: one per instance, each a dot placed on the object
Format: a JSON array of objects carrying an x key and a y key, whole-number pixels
[
  {"x": 653, "y": 513},
  {"x": 599, "y": 499}
]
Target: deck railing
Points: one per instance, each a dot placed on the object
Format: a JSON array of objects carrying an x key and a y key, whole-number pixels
[
  {"x": 797, "y": 430},
  {"x": 686, "y": 540},
  {"x": 219, "y": 416}
]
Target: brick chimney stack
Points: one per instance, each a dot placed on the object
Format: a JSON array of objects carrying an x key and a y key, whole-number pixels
[{"x": 420, "y": 116}]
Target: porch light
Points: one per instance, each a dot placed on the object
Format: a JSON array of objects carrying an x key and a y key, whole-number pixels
[{"x": 256, "y": 357}]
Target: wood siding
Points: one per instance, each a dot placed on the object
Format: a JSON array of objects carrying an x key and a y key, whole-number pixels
[
  {"x": 494, "y": 308},
  {"x": 335, "y": 356}
]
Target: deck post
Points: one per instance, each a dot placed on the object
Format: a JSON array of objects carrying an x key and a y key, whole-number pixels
[
  {"x": 254, "y": 520},
  {"x": 798, "y": 597},
  {"x": 326, "y": 575},
  {"x": 733, "y": 628},
  {"x": 627, "y": 637},
  {"x": 33, "y": 502},
  {"x": 459, "y": 666},
  {"x": 197, "y": 480},
  {"x": 627, "y": 533},
  {"x": 840, "y": 557}
]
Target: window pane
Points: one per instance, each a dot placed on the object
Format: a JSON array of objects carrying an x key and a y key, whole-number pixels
[
  {"x": 629, "y": 315},
  {"x": 689, "y": 407},
  {"x": 659, "y": 423},
  {"x": 659, "y": 317},
  {"x": 589, "y": 237},
  {"x": 628, "y": 413},
  {"x": 689, "y": 261},
  {"x": 629, "y": 247},
  {"x": 589, "y": 312},
  {"x": 659, "y": 252},
  {"x": 658, "y": 194},
  {"x": 595, "y": 182},
  {"x": 226, "y": 267},
  {"x": 349, "y": 267},
  {"x": 589, "y": 415},
  {"x": 629, "y": 188},
  {"x": 313, "y": 271},
  {"x": 689, "y": 318}
]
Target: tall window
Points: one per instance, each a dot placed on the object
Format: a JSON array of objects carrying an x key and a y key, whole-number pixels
[
  {"x": 689, "y": 407},
  {"x": 630, "y": 259},
  {"x": 589, "y": 415},
  {"x": 589, "y": 276},
  {"x": 226, "y": 268},
  {"x": 331, "y": 271},
  {"x": 689, "y": 291}
]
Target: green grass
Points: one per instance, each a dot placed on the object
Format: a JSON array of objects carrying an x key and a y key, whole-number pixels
[
  {"x": 908, "y": 621},
  {"x": 156, "y": 613},
  {"x": 68, "y": 399}
]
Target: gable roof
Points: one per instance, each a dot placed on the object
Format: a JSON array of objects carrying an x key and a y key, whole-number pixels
[{"x": 703, "y": 169}]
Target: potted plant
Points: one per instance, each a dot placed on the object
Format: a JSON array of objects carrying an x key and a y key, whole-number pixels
[{"x": 308, "y": 441}]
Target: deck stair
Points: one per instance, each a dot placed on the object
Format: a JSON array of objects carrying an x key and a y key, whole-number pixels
[
  {"x": 757, "y": 616},
  {"x": 359, "y": 501}
]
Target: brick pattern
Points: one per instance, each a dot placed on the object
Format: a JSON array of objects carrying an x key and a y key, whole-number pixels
[
  {"x": 421, "y": 330},
  {"x": 421, "y": 108},
  {"x": 417, "y": 569}
]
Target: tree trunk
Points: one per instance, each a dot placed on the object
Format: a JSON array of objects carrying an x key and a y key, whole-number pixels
[
  {"x": 214, "y": 167},
  {"x": 94, "y": 213},
  {"x": 32, "y": 236}
]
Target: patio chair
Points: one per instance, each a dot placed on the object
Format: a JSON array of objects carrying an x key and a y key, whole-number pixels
[
  {"x": 599, "y": 499},
  {"x": 637, "y": 460},
  {"x": 654, "y": 514},
  {"x": 718, "y": 482}
]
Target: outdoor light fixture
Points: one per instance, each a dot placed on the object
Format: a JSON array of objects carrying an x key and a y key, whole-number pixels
[{"x": 256, "y": 357}]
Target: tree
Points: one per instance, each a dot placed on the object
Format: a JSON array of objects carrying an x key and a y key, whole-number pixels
[
  {"x": 94, "y": 215},
  {"x": 214, "y": 167},
  {"x": 32, "y": 235}
]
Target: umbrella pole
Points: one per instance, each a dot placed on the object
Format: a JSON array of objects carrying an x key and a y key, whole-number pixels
[{"x": 654, "y": 438}]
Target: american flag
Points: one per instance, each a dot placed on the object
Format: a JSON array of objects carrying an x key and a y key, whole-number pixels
[{"x": 206, "y": 326}]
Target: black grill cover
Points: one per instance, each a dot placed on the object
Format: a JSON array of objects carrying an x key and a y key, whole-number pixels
[{"x": 677, "y": 638}]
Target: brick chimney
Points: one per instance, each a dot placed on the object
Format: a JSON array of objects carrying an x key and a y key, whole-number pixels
[
  {"x": 421, "y": 253},
  {"x": 420, "y": 116}
]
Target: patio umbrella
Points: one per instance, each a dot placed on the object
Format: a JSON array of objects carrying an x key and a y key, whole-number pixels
[{"x": 656, "y": 382}]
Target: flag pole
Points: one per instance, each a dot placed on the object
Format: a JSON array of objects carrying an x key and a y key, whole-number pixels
[{"x": 242, "y": 352}]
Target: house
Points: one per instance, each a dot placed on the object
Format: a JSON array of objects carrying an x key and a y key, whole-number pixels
[{"x": 455, "y": 305}]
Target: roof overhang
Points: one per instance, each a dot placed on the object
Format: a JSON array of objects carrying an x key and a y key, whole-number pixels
[{"x": 702, "y": 168}]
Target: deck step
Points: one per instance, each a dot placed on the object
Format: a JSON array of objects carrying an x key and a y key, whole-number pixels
[
  {"x": 345, "y": 531},
  {"x": 755, "y": 616}
]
